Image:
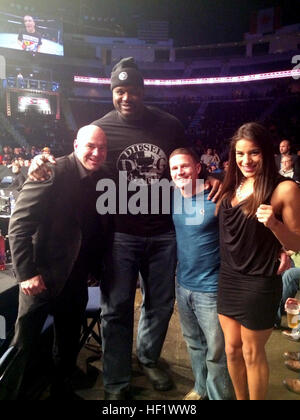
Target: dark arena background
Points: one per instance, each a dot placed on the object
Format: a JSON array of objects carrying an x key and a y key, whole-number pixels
[{"x": 213, "y": 64}]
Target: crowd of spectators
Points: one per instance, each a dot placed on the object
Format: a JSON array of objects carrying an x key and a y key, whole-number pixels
[
  {"x": 21, "y": 155},
  {"x": 39, "y": 130}
]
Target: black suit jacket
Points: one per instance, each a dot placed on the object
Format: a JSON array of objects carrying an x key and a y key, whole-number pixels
[{"x": 46, "y": 230}]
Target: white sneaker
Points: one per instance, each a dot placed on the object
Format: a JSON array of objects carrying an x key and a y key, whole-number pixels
[
  {"x": 193, "y": 395},
  {"x": 292, "y": 335}
]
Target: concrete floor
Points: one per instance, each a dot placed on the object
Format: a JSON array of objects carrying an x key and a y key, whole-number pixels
[{"x": 175, "y": 358}]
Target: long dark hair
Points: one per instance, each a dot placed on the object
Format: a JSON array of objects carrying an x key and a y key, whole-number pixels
[{"x": 267, "y": 174}]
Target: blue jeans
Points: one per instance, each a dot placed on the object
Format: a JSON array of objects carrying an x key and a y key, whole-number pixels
[
  {"x": 205, "y": 342},
  {"x": 155, "y": 258}
]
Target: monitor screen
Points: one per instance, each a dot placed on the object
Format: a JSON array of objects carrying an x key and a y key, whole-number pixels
[
  {"x": 41, "y": 105},
  {"x": 31, "y": 33},
  {"x": 32, "y": 102}
]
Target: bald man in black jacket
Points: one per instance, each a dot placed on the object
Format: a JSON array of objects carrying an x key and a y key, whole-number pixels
[{"x": 55, "y": 235}]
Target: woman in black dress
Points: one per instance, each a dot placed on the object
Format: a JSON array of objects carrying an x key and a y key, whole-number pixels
[{"x": 259, "y": 212}]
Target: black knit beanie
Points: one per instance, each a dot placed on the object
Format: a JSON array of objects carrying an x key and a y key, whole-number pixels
[{"x": 126, "y": 73}]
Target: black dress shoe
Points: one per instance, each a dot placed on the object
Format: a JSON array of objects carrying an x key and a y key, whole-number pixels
[
  {"x": 159, "y": 378},
  {"x": 70, "y": 396},
  {"x": 122, "y": 395},
  {"x": 63, "y": 392}
]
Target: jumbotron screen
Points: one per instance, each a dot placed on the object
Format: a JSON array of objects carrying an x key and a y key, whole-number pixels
[
  {"x": 41, "y": 105},
  {"x": 32, "y": 102},
  {"x": 31, "y": 33}
]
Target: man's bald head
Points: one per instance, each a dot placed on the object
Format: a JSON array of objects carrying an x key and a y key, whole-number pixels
[
  {"x": 90, "y": 147},
  {"x": 285, "y": 147}
]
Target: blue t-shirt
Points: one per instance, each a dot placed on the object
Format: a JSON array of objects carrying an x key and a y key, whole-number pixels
[{"x": 197, "y": 234}]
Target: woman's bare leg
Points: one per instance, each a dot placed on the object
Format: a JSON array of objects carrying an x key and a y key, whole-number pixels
[
  {"x": 256, "y": 361},
  {"x": 235, "y": 359}
]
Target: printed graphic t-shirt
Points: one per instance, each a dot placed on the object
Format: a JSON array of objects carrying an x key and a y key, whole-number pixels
[
  {"x": 141, "y": 150},
  {"x": 30, "y": 41}
]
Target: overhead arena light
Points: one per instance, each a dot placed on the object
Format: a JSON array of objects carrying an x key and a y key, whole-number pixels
[{"x": 295, "y": 73}]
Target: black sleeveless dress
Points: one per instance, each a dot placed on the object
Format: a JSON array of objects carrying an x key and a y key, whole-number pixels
[{"x": 249, "y": 288}]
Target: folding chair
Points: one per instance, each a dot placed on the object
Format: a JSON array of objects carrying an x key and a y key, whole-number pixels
[
  {"x": 92, "y": 313},
  {"x": 6, "y": 359},
  {"x": 6, "y": 365}
]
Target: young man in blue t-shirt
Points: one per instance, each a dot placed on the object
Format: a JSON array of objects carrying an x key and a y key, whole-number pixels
[{"x": 197, "y": 237}]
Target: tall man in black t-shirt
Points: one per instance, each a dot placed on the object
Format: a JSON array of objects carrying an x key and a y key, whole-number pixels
[{"x": 140, "y": 140}]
